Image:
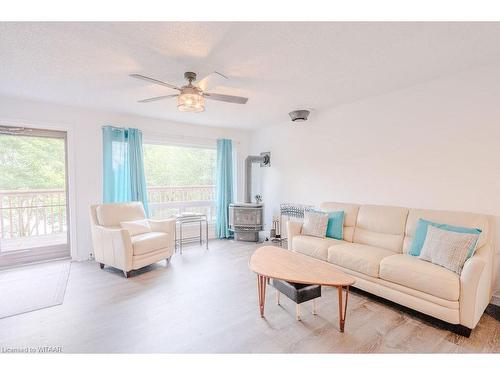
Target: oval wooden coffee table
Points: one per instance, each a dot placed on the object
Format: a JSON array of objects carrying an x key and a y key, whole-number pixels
[{"x": 270, "y": 262}]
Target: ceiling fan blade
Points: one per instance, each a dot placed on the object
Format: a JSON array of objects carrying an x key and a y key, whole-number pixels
[
  {"x": 153, "y": 80},
  {"x": 226, "y": 98},
  {"x": 211, "y": 80},
  {"x": 157, "y": 98}
]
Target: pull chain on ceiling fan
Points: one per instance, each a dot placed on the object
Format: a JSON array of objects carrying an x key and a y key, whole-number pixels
[{"x": 191, "y": 98}]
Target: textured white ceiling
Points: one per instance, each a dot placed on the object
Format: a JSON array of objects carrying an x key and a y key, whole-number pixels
[{"x": 279, "y": 66}]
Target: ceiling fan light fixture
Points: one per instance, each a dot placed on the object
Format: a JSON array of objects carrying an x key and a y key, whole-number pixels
[{"x": 190, "y": 100}]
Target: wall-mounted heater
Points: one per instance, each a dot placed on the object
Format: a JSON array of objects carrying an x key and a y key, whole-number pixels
[{"x": 246, "y": 219}]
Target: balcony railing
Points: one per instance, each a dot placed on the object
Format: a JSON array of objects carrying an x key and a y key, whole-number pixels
[
  {"x": 37, "y": 213},
  {"x": 25, "y": 213},
  {"x": 168, "y": 200}
]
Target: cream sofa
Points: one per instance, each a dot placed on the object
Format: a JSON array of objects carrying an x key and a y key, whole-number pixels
[
  {"x": 113, "y": 246},
  {"x": 376, "y": 240}
]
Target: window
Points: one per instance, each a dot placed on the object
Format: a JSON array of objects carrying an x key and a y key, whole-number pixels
[{"x": 180, "y": 179}]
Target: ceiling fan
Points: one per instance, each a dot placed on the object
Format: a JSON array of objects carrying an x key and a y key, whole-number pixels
[{"x": 191, "y": 98}]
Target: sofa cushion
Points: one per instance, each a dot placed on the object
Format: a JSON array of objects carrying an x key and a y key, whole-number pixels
[
  {"x": 417, "y": 274},
  {"x": 148, "y": 242},
  {"x": 314, "y": 246},
  {"x": 381, "y": 226},
  {"x": 357, "y": 257},
  {"x": 111, "y": 214}
]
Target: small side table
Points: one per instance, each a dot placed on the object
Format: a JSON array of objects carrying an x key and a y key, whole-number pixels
[{"x": 187, "y": 218}]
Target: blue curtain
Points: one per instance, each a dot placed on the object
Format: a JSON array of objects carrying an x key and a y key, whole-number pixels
[
  {"x": 123, "y": 166},
  {"x": 224, "y": 188}
]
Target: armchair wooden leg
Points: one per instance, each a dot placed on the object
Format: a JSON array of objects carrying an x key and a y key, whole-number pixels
[{"x": 101, "y": 265}]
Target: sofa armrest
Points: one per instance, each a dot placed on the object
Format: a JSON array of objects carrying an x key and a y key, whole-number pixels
[
  {"x": 293, "y": 228},
  {"x": 113, "y": 247},
  {"x": 165, "y": 225},
  {"x": 475, "y": 286}
]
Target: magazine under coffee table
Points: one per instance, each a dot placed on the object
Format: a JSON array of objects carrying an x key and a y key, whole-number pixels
[{"x": 270, "y": 262}]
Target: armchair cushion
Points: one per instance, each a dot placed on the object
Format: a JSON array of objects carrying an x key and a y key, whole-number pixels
[
  {"x": 149, "y": 242},
  {"x": 164, "y": 225},
  {"x": 135, "y": 227}
]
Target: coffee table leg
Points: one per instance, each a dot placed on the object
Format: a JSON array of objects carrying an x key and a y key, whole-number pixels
[
  {"x": 261, "y": 286},
  {"x": 342, "y": 307}
]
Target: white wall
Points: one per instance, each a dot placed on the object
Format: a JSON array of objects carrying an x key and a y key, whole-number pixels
[
  {"x": 85, "y": 149},
  {"x": 434, "y": 145}
]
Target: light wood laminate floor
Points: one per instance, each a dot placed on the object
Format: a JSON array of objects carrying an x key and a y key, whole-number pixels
[{"x": 206, "y": 301}]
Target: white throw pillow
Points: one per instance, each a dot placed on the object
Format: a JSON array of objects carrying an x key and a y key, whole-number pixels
[
  {"x": 315, "y": 223},
  {"x": 446, "y": 248},
  {"x": 136, "y": 227}
]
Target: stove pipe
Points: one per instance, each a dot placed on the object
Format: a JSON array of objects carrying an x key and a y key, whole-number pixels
[{"x": 264, "y": 159}]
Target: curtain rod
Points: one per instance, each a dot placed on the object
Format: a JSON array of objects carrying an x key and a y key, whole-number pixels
[
  {"x": 166, "y": 136},
  {"x": 149, "y": 134}
]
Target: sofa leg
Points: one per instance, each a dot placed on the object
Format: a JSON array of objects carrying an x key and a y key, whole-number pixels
[
  {"x": 126, "y": 274},
  {"x": 314, "y": 306},
  {"x": 101, "y": 265},
  {"x": 462, "y": 330},
  {"x": 168, "y": 260},
  {"x": 297, "y": 312}
]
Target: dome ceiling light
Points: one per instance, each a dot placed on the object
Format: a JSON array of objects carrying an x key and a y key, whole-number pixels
[{"x": 299, "y": 115}]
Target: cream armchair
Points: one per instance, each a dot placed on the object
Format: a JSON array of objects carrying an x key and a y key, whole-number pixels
[{"x": 115, "y": 247}]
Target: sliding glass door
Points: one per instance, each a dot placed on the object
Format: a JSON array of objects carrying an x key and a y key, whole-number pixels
[{"x": 33, "y": 196}]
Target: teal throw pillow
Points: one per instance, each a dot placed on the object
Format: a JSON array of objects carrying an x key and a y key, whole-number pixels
[{"x": 335, "y": 228}]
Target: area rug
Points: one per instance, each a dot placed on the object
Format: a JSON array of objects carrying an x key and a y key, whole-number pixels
[{"x": 33, "y": 287}]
